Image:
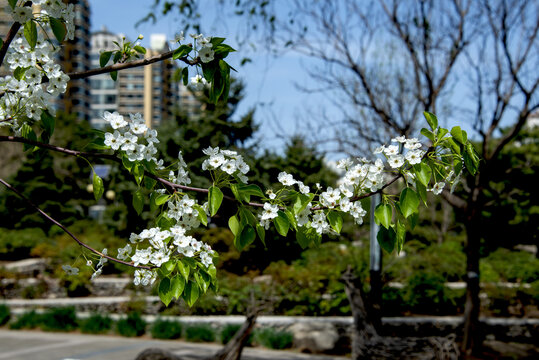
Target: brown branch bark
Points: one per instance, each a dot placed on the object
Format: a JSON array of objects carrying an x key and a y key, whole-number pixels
[{"x": 66, "y": 230}]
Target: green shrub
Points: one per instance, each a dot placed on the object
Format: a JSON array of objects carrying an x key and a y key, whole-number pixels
[
  {"x": 96, "y": 324},
  {"x": 512, "y": 265},
  {"x": 133, "y": 325},
  {"x": 199, "y": 333},
  {"x": 229, "y": 331},
  {"x": 274, "y": 339},
  {"x": 5, "y": 314},
  {"x": 29, "y": 320},
  {"x": 59, "y": 319},
  {"x": 163, "y": 329}
]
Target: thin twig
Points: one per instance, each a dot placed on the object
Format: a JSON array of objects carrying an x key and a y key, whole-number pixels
[{"x": 57, "y": 223}]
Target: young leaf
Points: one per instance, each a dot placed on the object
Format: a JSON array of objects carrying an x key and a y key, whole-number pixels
[
  {"x": 281, "y": 223},
  {"x": 104, "y": 58},
  {"x": 183, "y": 269},
  {"x": 261, "y": 233},
  {"x": 28, "y": 133},
  {"x": 245, "y": 238},
  {"x": 302, "y": 237},
  {"x": 386, "y": 238},
  {"x": 384, "y": 213},
  {"x": 191, "y": 292},
  {"x": 335, "y": 220},
  {"x": 138, "y": 201},
  {"x": 428, "y": 134},
  {"x": 234, "y": 225},
  {"x": 401, "y": 233},
  {"x": 30, "y": 33},
  {"x": 98, "y": 187},
  {"x": 458, "y": 135},
  {"x": 114, "y": 75},
  {"x": 138, "y": 173},
  {"x": 48, "y": 122},
  {"x": 58, "y": 29},
  {"x": 409, "y": 202},
  {"x": 201, "y": 215},
  {"x": 139, "y": 49},
  {"x": 423, "y": 173},
  {"x": 182, "y": 51},
  {"x": 149, "y": 183},
  {"x": 165, "y": 291},
  {"x": 177, "y": 285},
  {"x": 215, "y": 198},
  {"x": 185, "y": 75},
  {"x": 432, "y": 120}
]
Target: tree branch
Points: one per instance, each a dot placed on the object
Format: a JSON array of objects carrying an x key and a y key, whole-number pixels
[
  {"x": 128, "y": 65},
  {"x": 57, "y": 223}
]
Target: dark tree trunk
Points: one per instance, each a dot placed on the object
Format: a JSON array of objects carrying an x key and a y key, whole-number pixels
[
  {"x": 233, "y": 349},
  {"x": 364, "y": 332},
  {"x": 472, "y": 334}
]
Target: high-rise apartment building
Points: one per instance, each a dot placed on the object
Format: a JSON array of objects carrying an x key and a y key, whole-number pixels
[
  {"x": 103, "y": 90},
  {"x": 149, "y": 90},
  {"x": 74, "y": 56}
]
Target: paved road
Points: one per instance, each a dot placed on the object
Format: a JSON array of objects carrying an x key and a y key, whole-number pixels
[{"x": 34, "y": 345}]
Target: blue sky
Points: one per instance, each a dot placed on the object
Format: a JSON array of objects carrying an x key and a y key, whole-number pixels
[{"x": 269, "y": 80}]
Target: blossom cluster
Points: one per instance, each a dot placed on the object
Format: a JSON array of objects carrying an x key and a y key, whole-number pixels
[
  {"x": 126, "y": 137},
  {"x": 227, "y": 161},
  {"x": 24, "y": 94}
]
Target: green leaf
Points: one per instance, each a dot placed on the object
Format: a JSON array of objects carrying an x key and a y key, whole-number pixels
[
  {"x": 302, "y": 200},
  {"x": 247, "y": 216},
  {"x": 127, "y": 164},
  {"x": 183, "y": 269},
  {"x": 28, "y": 133},
  {"x": 245, "y": 238},
  {"x": 234, "y": 225},
  {"x": 246, "y": 191},
  {"x": 177, "y": 285},
  {"x": 191, "y": 292},
  {"x": 114, "y": 75},
  {"x": 458, "y": 135},
  {"x": 302, "y": 237},
  {"x": 98, "y": 144},
  {"x": 387, "y": 239},
  {"x": 185, "y": 75},
  {"x": 428, "y": 134},
  {"x": 201, "y": 215},
  {"x": 335, "y": 220},
  {"x": 432, "y": 120},
  {"x": 413, "y": 220},
  {"x": 153, "y": 205},
  {"x": 291, "y": 219},
  {"x": 165, "y": 291},
  {"x": 168, "y": 267},
  {"x": 162, "y": 198},
  {"x": 423, "y": 173},
  {"x": 104, "y": 58},
  {"x": 409, "y": 202},
  {"x": 182, "y": 51},
  {"x": 203, "y": 281},
  {"x": 19, "y": 72},
  {"x": 281, "y": 223},
  {"x": 261, "y": 233},
  {"x": 215, "y": 198},
  {"x": 422, "y": 191},
  {"x": 98, "y": 187},
  {"x": 139, "y": 49},
  {"x": 149, "y": 183},
  {"x": 12, "y": 3},
  {"x": 48, "y": 122},
  {"x": 30, "y": 33},
  {"x": 58, "y": 29},
  {"x": 383, "y": 213},
  {"x": 401, "y": 234},
  {"x": 138, "y": 201},
  {"x": 138, "y": 173}
]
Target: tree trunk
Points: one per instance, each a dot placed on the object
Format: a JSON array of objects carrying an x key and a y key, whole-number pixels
[
  {"x": 234, "y": 348},
  {"x": 472, "y": 334},
  {"x": 364, "y": 333}
]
